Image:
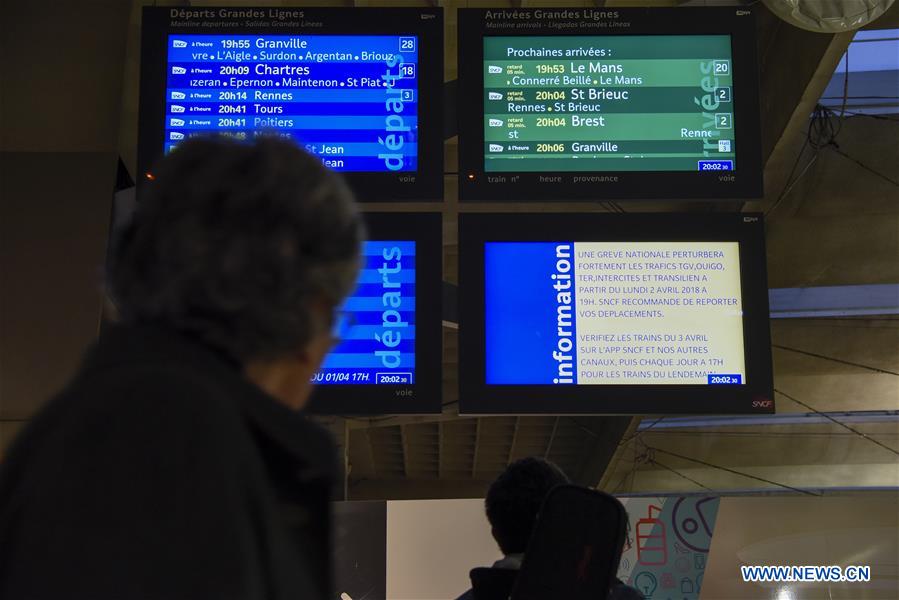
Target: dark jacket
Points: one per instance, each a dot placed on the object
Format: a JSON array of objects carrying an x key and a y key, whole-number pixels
[
  {"x": 160, "y": 472},
  {"x": 502, "y": 586}
]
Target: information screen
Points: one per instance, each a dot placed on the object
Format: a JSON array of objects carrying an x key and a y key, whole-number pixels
[
  {"x": 352, "y": 100},
  {"x": 609, "y": 103},
  {"x": 375, "y": 328},
  {"x": 614, "y": 313}
]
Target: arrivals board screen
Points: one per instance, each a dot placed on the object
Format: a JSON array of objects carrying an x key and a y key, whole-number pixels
[
  {"x": 614, "y": 313},
  {"x": 597, "y": 104},
  {"x": 387, "y": 351},
  {"x": 609, "y": 103},
  {"x": 361, "y": 89},
  {"x": 350, "y": 100}
]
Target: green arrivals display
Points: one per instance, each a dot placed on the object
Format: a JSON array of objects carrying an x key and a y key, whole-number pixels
[{"x": 608, "y": 103}]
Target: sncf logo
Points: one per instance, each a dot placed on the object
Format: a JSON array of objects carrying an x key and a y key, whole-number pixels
[{"x": 762, "y": 403}]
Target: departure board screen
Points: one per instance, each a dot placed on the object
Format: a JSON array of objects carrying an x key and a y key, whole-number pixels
[
  {"x": 609, "y": 103},
  {"x": 351, "y": 100},
  {"x": 359, "y": 88},
  {"x": 375, "y": 327},
  {"x": 387, "y": 354}
]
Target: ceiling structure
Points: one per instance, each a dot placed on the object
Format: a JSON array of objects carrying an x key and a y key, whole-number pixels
[
  {"x": 452, "y": 456},
  {"x": 831, "y": 222}
]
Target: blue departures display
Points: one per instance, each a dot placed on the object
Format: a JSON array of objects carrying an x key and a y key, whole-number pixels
[
  {"x": 376, "y": 325},
  {"x": 351, "y": 100}
]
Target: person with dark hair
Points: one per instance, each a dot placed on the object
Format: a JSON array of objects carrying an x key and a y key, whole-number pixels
[
  {"x": 513, "y": 501},
  {"x": 512, "y": 505},
  {"x": 175, "y": 464}
]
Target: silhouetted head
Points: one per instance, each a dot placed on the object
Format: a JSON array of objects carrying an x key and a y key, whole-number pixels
[
  {"x": 514, "y": 500},
  {"x": 246, "y": 247}
]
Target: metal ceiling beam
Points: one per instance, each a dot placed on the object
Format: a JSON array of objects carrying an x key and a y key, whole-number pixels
[
  {"x": 552, "y": 437},
  {"x": 834, "y": 301},
  {"x": 605, "y": 483},
  {"x": 477, "y": 441},
  {"x": 514, "y": 439},
  {"x": 606, "y": 433},
  {"x": 868, "y": 416},
  {"x": 439, "y": 450},
  {"x": 817, "y": 491},
  {"x": 417, "y": 489},
  {"x": 795, "y": 67},
  {"x": 371, "y": 454},
  {"x": 405, "y": 450},
  {"x": 374, "y": 422}
]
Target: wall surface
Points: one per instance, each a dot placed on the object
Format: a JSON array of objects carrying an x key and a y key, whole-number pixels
[
  {"x": 61, "y": 68},
  {"x": 856, "y": 530},
  {"x": 432, "y": 544}
]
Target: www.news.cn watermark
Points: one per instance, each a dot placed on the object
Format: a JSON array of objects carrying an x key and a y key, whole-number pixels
[{"x": 818, "y": 573}]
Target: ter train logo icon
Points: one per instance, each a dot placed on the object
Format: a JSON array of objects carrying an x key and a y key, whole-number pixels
[{"x": 179, "y": 44}]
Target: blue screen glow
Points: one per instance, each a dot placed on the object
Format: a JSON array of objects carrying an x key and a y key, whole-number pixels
[
  {"x": 376, "y": 325},
  {"x": 351, "y": 100}
]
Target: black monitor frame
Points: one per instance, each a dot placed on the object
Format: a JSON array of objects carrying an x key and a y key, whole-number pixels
[
  {"x": 476, "y": 397},
  {"x": 424, "y": 396},
  {"x": 480, "y": 186},
  {"x": 425, "y": 184}
]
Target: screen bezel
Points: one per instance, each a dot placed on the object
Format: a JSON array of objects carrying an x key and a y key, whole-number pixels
[
  {"x": 424, "y": 396},
  {"x": 425, "y": 184},
  {"x": 477, "y": 185},
  {"x": 476, "y": 397}
]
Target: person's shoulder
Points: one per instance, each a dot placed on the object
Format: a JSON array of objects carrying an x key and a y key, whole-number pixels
[
  {"x": 151, "y": 389},
  {"x": 150, "y": 407}
]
